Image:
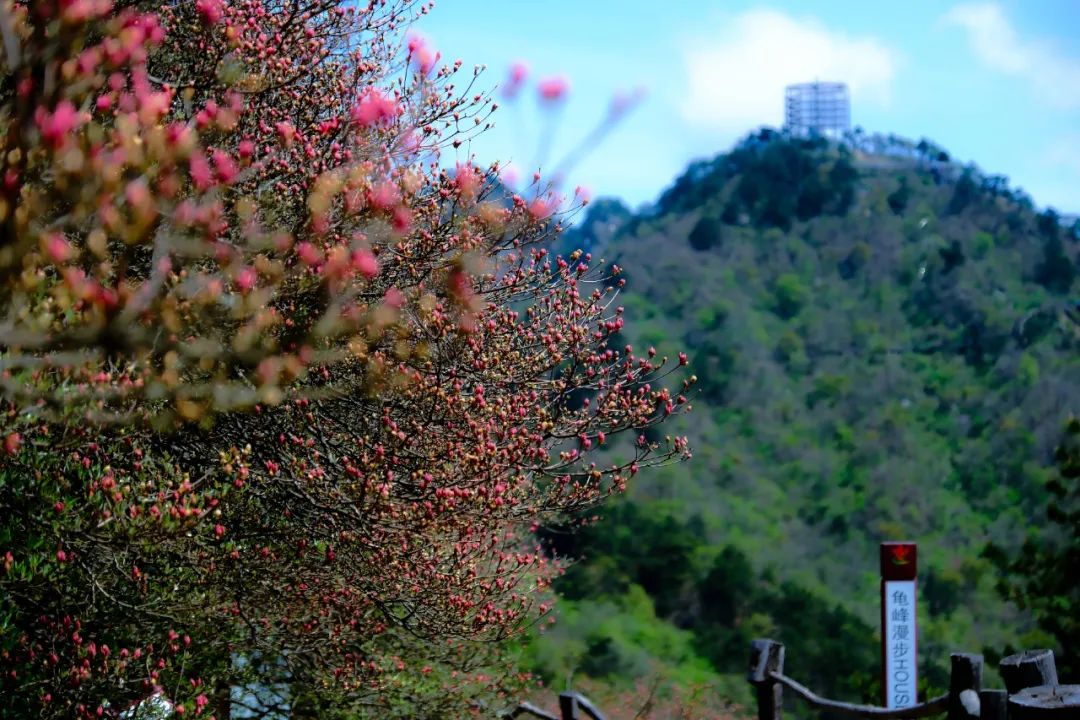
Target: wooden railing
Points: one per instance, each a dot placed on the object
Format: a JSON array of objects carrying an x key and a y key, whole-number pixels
[
  {"x": 572, "y": 706},
  {"x": 1031, "y": 690}
]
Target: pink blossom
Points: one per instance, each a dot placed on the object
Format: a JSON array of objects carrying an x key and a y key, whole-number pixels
[
  {"x": 79, "y": 11},
  {"x": 384, "y": 196},
  {"x": 460, "y": 286},
  {"x": 365, "y": 263},
  {"x": 421, "y": 54},
  {"x": 402, "y": 220},
  {"x": 153, "y": 106},
  {"x": 200, "y": 171},
  {"x": 57, "y": 248},
  {"x": 89, "y": 59},
  {"x": 268, "y": 371},
  {"x": 211, "y": 11},
  {"x": 544, "y": 207},
  {"x": 510, "y": 175},
  {"x": 178, "y": 134},
  {"x": 246, "y": 279},
  {"x": 137, "y": 194},
  {"x": 56, "y": 126},
  {"x": 519, "y": 71},
  {"x": 225, "y": 166},
  {"x": 375, "y": 109},
  {"x": 410, "y": 142},
  {"x": 286, "y": 132},
  {"x": 553, "y": 89},
  {"x": 467, "y": 180},
  {"x": 394, "y": 298},
  {"x": 308, "y": 254}
]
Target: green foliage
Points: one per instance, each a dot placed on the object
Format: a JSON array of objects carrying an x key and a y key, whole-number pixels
[
  {"x": 855, "y": 261},
  {"x": 649, "y": 547},
  {"x": 1042, "y": 575},
  {"x": 712, "y": 316},
  {"x": 964, "y": 193},
  {"x": 790, "y": 295},
  {"x": 982, "y": 244},
  {"x": 707, "y": 233},
  {"x": 1057, "y": 271},
  {"x": 898, "y": 198},
  {"x": 771, "y": 179},
  {"x": 642, "y": 565}
]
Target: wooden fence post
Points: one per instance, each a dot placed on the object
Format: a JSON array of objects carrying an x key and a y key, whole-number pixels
[
  {"x": 993, "y": 704},
  {"x": 1046, "y": 702},
  {"x": 1034, "y": 693},
  {"x": 965, "y": 681},
  {"x": 1030, "y": 668},
  {"x": 767, "y": 656},
  {"x": 568, "y": 706}
]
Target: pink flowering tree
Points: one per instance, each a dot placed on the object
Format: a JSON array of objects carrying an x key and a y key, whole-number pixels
[{"x": 282, "y": 399}]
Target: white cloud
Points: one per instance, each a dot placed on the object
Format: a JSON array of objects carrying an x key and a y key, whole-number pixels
[
  {"x": 993, "y": 40},
  {"x": 736, "y": 78}
]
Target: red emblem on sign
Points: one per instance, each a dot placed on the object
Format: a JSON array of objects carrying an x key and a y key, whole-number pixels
[
  {"x": 900, "y": 554},
  {"x": 898, "y": 560}
]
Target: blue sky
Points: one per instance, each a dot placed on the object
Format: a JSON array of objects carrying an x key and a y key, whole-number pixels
[{"x": 995, "y": 83}]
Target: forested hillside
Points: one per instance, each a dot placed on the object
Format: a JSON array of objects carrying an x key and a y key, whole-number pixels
[{"x": 885, "y": 351}]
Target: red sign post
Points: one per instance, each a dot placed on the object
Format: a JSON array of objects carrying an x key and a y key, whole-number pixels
[{"x": 899, "y": 639}]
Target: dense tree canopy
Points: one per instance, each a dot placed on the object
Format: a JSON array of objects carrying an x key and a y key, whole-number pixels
[{"x": 1039, "y": 576}]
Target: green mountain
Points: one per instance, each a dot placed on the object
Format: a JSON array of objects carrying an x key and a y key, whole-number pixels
[{"x": 886, "y": 351}]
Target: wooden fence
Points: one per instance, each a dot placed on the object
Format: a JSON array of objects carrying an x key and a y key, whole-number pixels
[
  {"x": 1031, "y": 690},
  {"x": 572, "y": 706}
]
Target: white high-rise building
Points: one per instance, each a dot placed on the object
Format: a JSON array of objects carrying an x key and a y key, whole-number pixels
[{"x": 817, "y": 108}]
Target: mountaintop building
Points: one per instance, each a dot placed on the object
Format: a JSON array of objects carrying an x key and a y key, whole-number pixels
[{"x": 817, "y": 108}]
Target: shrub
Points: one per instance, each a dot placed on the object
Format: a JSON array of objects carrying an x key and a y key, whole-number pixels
[
  {"x": 281, "y": 399},
  {"x": 790, "y": 295}
]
